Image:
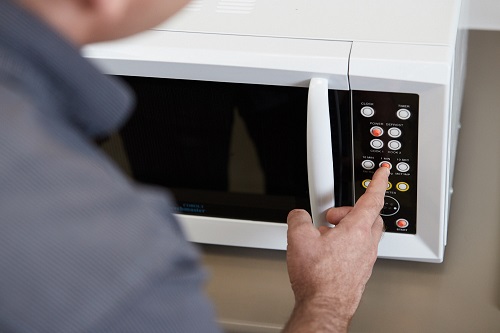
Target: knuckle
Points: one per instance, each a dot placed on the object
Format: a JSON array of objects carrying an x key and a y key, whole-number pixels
[
  {"x": 380, "y": 223},
  {"x": 375, "y": 202},
  {"x": 360, "y": 232}
]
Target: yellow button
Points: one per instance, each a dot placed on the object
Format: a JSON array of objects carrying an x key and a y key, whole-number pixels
[
  {"x": 366, "y": 182},
  {"x": 402, "y": 186}
]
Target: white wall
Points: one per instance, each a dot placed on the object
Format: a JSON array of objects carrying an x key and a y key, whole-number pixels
[{"x": 484, "y": 14}]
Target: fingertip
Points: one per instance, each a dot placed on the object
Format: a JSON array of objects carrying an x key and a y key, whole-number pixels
[
  {"x": 297, "y": 211},
  {"x": 297, "y": 214},
  {"x": 299, "y": 223},
  {"x": 336, "y": 214}
]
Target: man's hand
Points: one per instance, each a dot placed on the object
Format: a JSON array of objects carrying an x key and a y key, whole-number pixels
[{"x": 329, "y": 267}]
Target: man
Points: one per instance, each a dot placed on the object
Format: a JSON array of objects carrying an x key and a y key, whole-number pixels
[{"x": 85, "y": 250}]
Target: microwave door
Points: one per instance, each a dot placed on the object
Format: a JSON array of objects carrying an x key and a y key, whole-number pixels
[
  {"x": 239, "y": 152},
  {"x": 319, "y": 152}
]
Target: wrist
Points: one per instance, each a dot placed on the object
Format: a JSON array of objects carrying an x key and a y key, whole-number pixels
[
  {"x": 319, "y": 314},
  {"x": 334, "y": 307}
]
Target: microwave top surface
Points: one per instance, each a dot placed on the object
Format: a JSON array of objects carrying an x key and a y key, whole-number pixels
[{"x": 428, "y": 22}]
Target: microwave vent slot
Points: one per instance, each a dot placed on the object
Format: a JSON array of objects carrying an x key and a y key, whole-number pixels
[
  {"x": 235, "y": 6},
  {"x": 194, "y": 6}
]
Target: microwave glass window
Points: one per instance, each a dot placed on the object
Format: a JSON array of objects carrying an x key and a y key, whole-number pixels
[{"x": 228, "y": 150}]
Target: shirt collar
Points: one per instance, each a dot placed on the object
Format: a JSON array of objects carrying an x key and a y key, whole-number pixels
[{"x": 51, "y": 70}]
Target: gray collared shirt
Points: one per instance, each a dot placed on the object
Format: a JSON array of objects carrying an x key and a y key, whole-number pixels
[{"x": 82, "y": 248}]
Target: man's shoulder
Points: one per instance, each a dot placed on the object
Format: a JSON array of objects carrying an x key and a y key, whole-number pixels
[
  {"x": 13, "y": 100},
  {"x": 18, "y": 113}
]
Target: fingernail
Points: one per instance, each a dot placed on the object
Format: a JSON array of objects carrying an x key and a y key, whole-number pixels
[{"x": 386, "y": 165}]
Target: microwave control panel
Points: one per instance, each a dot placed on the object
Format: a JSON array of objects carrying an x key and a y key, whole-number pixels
[{"x": 385, "y": 131}]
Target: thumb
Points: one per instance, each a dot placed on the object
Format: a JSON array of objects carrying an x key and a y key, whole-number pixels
[{"x": 299, "y": 225}]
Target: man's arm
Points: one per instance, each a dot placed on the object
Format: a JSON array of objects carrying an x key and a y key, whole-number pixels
[
  {"x": 82, "y": 248},
  {"x": 329, "y": 267}
]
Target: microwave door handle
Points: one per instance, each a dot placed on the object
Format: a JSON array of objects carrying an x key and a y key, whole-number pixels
[{"x": 319, "y": 152}]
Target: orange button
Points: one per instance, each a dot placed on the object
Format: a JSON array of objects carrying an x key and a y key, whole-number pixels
[
  {"x": 376, "y": 131},
  {"x": 386, "y": 165},
  {"x": 402, "y": 223}
]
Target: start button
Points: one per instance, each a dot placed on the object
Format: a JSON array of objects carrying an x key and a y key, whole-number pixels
[{"x": 402, "y": 223}]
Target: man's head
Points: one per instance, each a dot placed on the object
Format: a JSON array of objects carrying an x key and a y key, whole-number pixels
[{"x": 89, "y": 21}]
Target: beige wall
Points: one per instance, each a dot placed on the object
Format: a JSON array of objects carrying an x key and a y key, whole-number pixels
[
  {"x": 484, "y": 14},
  {"x": 250, "y": 287}
]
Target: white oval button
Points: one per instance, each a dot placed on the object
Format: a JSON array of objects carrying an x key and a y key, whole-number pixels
[
  {"x": 403, "y": 114},
  {"x": 403, "y": 167},
  {"x": 368, "y": 164},
  {"x": 376, "y": 143},
  {"x": 394, "y": 145},
  {"x": 394, "y": 132},
  {"x": 367, "y": 112}
]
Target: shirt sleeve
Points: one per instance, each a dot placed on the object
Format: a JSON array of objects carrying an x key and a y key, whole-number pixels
[{"x": 83, "y": 249}]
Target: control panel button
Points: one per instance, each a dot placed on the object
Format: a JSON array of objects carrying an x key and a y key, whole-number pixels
[
  {"x": 394, "y": 145},
  {"x": 367, "y": 112},
  {"x": 394, "y": 132},
  {"x": 402, "y": 186},
  {"x": 376, "y": 131},
  {"x": 403, "y": 114},
  {"x": 391, "y": 206},
  {"x": 385, "y": 133},
  {"x": 385, "y": 164},
  {"x": 403, "y": 167},
  {"x": 368, "y": 164},
  {"x": 365, "y": 183},
  {"x": 402, "y": 223},
  {"x": 377, "y": 143}
]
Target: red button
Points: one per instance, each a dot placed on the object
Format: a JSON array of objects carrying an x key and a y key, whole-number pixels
[
  {"x": 376, "y": 131},
  {"x": 402, "y": 223},
  {"x": 386, "y": 165}
]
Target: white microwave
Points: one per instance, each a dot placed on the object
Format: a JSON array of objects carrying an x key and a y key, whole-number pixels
[{"x": 247, "y": 109}]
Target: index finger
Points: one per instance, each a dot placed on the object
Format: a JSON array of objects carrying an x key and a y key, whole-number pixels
[{"x": 370, "y": 204}]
